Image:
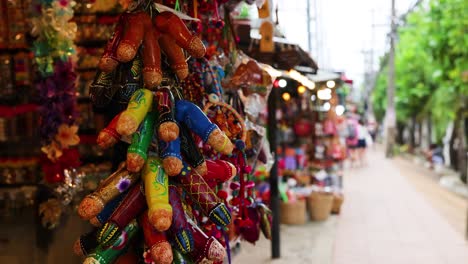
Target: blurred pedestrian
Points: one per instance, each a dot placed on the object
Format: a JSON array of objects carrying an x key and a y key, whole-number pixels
[
  {"x": 363, "y": 139},
  {"x": 352, "y": 139},
  {"x": 435, "y": 156},
  {"x": 372, "y": 128}
]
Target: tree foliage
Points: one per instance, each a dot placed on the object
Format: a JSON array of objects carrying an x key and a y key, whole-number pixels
[{"x": 431, "y": 65}]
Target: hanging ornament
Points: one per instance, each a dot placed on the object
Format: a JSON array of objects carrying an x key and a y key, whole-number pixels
[
  {"x": 264, "y": 9},
  {"x": 168, "y": 185},
  {"x": 267, "y": 31}
]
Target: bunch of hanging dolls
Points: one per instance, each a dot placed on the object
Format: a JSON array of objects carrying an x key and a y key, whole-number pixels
[{"x": 182, "y": 188}]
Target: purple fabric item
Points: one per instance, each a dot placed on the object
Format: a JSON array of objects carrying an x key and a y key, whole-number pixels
[
  {"x": 57, "y": 99},
  {"x": 228, "y": 247},
  {"x": 290, "y": 163}
]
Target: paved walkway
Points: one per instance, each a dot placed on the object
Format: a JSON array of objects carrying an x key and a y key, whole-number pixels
[
  {"x": 395, "y": 212},
  {"x": 451, "y": 206},
  {"x": 387, "y": 219},
  {"x": 311, "y": 243}
]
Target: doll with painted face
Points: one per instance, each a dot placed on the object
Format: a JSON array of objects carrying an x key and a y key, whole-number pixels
[{"x": 137, "y": 32}]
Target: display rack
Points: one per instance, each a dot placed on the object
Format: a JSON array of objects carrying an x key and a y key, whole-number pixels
[{"x": 95, "y": 28}]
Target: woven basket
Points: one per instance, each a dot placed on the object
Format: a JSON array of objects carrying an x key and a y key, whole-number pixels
[
  {"x": 293, "y": 213},
  {"x": 337, "y": 202},
  {"x": 320, "y": 205},
  {"x": 303, "y": 179}
]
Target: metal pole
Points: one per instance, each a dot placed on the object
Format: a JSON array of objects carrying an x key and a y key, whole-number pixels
[
  {"x": 274, "y": 190},
  {"x": 372, "y": 75},
  {"x": 390, "y": 117},
  {"x": 309, "y": 33}
]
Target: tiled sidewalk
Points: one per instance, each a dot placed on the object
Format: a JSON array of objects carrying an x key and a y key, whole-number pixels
[
  {"x": 386, "y": 220},
  {"x": 311, "y": 243}
]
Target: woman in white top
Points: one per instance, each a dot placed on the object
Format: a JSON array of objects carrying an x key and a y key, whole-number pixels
[{"x": 362, "y": 135}]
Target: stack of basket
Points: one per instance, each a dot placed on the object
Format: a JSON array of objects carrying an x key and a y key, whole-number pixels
[
  {"x": 320, "y": 205},
  {"x": 293, "y": 213},
  {"x": 337, "y": 202}
]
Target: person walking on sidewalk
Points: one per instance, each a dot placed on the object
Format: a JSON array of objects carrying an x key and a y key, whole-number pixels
[
  {"x": 352, "y": 139},
  {"x": 362, "y": 144},
  {"x": 373, "y": 128}
]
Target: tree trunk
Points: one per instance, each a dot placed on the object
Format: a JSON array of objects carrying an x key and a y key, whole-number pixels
[
  {"x": 420, "y": 134},
  {"x": 400, "y": 133},
  {"x": 389, "y": 150},
  {"x": 458, "y": 148},
  {"x": 453, "y": 150},
  {"x": 429, "y": 130},
  {"x": 462, "y": 149},
  {"x": 412, "y": 139}
]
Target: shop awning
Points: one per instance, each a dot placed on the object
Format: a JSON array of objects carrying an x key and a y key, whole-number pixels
[
  {"x": 287, "y": 55},
  {"x": 323, "y": 76}
]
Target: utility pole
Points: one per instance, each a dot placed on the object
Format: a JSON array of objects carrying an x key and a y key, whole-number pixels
[
  {"x": 312, "y": 29},
  {"x": 390, "y": 116},
  {"x": 368, "y": 80},
  {"x": 372, "y": 76},
  {"x": 309, "y": 32}
]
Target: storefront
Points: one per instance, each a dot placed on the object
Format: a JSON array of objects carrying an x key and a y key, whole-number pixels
[{"x": 158, "y": 127}]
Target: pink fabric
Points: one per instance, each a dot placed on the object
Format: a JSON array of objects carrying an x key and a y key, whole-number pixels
[{"x": 329, "y": 127}]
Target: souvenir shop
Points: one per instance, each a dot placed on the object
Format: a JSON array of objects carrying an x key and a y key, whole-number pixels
[
  {"x": 141, "y": 131},
  {"x": 311, "y": 148}
]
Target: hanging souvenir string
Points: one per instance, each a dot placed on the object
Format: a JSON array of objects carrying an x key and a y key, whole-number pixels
[
  {"x": 177, "y": 6},
  {"x": 230, "y": 36},
  {"x": 195, "y": 8},
  {"x": 216, "y": 81},
  {"x": 216, "y": 9},
  {"x": 53, "y": 50},
  {"x": 192, "y": 88},
  {"x": 203, "y": 70}
]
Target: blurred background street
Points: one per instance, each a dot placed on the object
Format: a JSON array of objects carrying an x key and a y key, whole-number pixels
[
  {"x": 395, "y": 212},
  {"x": 234, "y": 131}
]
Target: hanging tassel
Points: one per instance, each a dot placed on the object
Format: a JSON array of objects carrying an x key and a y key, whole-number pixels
[
  {"x": 195, "y": 8},
  {"x": 218, "y": 22},
  {"x": 216, "y": 10},
  {"x": 228, "y": 246}
]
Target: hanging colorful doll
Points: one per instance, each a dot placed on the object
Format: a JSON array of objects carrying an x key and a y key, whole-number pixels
[{"x": 165, "y": 189}]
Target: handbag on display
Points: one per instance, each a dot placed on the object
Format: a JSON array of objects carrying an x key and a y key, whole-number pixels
[
  {"x": 302, "y": 128},
  {"x": 329, "y": 127}
]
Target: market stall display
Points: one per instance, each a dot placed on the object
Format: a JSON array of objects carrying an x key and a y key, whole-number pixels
[
  {"x": 186, "y": 176},
  {"x": 310, "y": 150},
  {"x": 19, "y": 147},
  {"x": 154, "y": 127}
]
